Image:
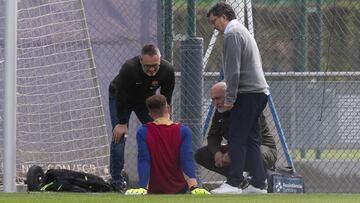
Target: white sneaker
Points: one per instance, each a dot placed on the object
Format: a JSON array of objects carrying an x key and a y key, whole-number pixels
[
  {"x": 226, "y": 189},
  {"x": 254, "y": 190}
]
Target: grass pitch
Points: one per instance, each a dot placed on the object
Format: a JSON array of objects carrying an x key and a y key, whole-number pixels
[{"x": 118, "y": 198}]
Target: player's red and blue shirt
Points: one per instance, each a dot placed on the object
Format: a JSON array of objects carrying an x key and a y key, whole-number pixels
[{"x": 164, "y": 156}]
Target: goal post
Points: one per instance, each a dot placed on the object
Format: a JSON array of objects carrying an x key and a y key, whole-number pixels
[{"x": 10, "y": 94}]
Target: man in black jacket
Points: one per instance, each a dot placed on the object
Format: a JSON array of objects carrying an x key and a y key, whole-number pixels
[
  {"x": 215, "y": 156},
  {"x": 139, "y": 78}
]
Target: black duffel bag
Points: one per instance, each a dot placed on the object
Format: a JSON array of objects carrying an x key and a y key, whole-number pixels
[{"x": 63, "y": 180}]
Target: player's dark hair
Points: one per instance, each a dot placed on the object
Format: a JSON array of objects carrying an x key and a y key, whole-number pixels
[
  {"x": 156, "y": 104},
  {"x": 150, "y": 50},
  {"x": 220, "y": 9}
]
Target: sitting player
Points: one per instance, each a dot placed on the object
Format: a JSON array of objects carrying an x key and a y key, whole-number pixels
[{"x": 165, "y": 157}]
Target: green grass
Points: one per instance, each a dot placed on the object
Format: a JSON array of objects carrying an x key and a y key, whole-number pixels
[
  {"x": 117, "y": 198},
  {"x": 330, "y": 154}
]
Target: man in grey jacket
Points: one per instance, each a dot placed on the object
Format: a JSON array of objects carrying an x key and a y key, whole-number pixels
[{"x": 245, "y": 97}]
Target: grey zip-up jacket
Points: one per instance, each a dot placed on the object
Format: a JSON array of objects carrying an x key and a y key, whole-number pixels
[{"x": 241, "y": 63}]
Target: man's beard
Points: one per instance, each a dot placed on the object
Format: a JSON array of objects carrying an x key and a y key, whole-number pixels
[
  {"x": 220, "y": 109},
  {"x": 148, "y": 74}
]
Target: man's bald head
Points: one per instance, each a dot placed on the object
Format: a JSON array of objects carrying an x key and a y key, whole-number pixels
[
  {"x": 219, "y": 87},
  {"x": 218, "y": 95}
]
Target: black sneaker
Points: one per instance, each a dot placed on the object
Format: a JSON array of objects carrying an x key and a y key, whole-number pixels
[
  {"x": 247, "y": 188},
  {"x": 118, "y": 185},
  {"x": 244, "y": 184}
]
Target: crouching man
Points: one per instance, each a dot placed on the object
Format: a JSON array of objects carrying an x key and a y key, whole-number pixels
[{"x": 215, "y": 156}]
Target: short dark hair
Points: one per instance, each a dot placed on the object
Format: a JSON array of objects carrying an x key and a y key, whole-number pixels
[
  {"x": 151, "y": 50},
  {"x": 156, "y": 104},
  {"x": 220, "y": 9}
]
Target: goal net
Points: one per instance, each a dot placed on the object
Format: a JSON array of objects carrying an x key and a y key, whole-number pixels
[{"x": 60, "y": 118}]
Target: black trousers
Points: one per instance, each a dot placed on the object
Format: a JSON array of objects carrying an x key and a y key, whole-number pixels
[
  {"x": 244, "y": 139},
  {"x": 205, "y": 158}
]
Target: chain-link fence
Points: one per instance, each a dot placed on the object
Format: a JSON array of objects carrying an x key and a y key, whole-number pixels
[
  {"x": 118, "y": 30},
  {"x": 310, "y": 52}
]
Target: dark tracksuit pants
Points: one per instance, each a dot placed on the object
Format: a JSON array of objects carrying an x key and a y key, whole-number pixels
[
  {"x": 205, "y": 158},
  {"x": 117, "y": 150},
  {"x": 244, "y": 139}
]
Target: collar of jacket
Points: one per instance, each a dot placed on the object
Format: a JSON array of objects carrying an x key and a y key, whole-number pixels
[{"x": 163, "y": 121}]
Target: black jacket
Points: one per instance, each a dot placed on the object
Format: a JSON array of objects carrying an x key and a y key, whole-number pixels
[
  {"x": 132, "y": 86},
  {"x": 219, "y": 130}
]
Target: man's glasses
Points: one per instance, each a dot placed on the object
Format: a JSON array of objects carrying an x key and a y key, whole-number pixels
[
  {"x": 148, "y": 66},
  {"x": 214, "y": 19}
]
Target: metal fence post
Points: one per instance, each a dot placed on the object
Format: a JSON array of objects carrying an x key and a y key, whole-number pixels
[
  {"x": 301, "y": 42},
  {"x": 318, "y": 35},
  {"x": 168, "y": 30},
  {"x": 191, "y": 86},
  {"x": 191, "y": 52}
]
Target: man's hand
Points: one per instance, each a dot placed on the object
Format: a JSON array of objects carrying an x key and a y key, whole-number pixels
[
  {"x": 218, "y": 159},
  {"x": 226, "y": 159},
  {"x": 118, "y": 132},
  {"x": 228, "y": 107},
  {"x": 199, "y": 191},
  {"x": 138, "y": 191}
]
